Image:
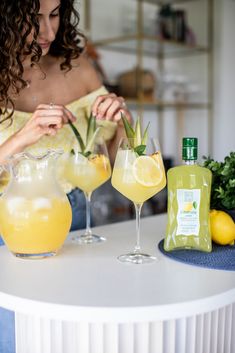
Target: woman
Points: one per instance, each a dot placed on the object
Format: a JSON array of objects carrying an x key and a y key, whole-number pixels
[
  {"x": 47, "y": 66},
  {"x": 46, "y": 81}
]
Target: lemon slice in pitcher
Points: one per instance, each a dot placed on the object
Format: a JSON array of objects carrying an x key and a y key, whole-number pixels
[{"x": 147, "y": 171}]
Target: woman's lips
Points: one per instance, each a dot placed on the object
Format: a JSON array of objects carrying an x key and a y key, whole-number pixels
[{"x": 44, "y": 45}]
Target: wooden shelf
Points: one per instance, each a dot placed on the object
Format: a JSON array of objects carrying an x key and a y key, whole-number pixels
[
  {"x": 156, "y": 104},
  {"x": 151, "y": 46}
]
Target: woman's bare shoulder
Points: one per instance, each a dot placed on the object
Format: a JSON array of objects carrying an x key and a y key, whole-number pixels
[{"x": 84, "y": 70}]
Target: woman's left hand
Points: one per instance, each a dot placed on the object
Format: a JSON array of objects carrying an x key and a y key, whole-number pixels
[{"x": 109, "y": 107}]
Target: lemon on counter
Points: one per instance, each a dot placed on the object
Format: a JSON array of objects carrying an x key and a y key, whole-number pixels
[{"x": 222, "y": 227}]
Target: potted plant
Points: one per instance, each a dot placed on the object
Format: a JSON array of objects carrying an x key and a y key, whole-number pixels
[{"x": 223, "y": 183}]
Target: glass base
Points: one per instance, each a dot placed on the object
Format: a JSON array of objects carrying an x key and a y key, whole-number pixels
[
  {"x": 137, "y": 258},
  {"x": 35, "y": 256},
  {"x": 87, "y": 239}
]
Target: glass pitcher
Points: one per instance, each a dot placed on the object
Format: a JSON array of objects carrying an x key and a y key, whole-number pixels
[{"x": 35, "y": 213}]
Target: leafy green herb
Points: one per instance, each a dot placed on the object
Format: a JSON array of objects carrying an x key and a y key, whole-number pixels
[
  {"x": 136, "y": 139},
  {"x": 91, "y": 135},
  {"x": 223, "y": 182},
  {"x": 140, "y": 149},
  {"x": 194, "y": 205}
]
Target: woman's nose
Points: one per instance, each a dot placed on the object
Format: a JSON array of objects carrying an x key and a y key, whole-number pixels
[{"x": 46, "y": 30}]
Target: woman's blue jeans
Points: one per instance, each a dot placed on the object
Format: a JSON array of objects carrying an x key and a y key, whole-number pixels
[{"x": 7, "y": 317}]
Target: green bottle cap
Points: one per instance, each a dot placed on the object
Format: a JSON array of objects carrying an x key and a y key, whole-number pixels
[{"x": 189, "y": 149}]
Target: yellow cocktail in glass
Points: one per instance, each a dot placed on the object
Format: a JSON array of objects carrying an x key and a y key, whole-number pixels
[
  {"x": 88, "y": 173},
  {"x": 138, "y": 177}
]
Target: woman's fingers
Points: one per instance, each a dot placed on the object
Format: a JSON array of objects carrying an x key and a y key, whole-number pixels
[
  {"x": 69, "y": 115},
  {"x": 52, "y": 121},
  {"x": 96, "y": 107},
  {"x": 55, "y": 110},
  {"x": 46, "y": 120},
  {"x": 113, "y": 110},
  {"x": 109, "y": 107}
]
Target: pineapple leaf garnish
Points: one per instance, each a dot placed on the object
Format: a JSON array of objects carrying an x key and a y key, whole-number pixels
[
  {"x": 91, "y": 135},
  {"x": 138, "y": 132},
  {"x": 130, "y": 133},
  {"x": 91, "y": 140},
  {"x": 91, "y": 127},
  {"x": 78, "y": 136},
  {"x": 136, "y": 139},
  {"x": 145, "y": 135}
]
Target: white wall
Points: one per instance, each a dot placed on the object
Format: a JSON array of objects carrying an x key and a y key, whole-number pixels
[{"x": 224, "y": 79}]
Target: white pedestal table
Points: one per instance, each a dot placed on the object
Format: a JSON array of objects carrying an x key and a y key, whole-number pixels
[{"x": 85, "y": 301}]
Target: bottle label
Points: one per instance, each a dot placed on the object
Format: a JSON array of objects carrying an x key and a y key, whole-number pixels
[{"x": 188, "y": 211}]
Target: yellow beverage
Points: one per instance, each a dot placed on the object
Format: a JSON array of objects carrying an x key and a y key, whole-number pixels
[
  {"x": 189, "y": 187},
  {"x": 138, "y": 180},
  {"x": 34, "y": 226},
  {"x": 88, "y": 173}
]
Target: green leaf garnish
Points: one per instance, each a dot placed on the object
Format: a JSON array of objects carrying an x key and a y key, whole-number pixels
[
  {"x": 138, "y": 137},
  {"x": 145, "y": 135},
  {"x": 78, "y": 136},
  {"x": 136, "y": 140},
  {"x": 140, "y": 149},
  {"x": 91, "y": 135},
  {"x": 87, "y": 154},
  {"x": 91, "y": 127},
  {"x": 90, "y": 142},
  {"x": 130, "y": 133}
]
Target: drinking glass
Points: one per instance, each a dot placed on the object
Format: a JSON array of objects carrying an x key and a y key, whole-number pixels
[
  {"x": 88, "y": 173},
  {"x": 138, "y": 177}
]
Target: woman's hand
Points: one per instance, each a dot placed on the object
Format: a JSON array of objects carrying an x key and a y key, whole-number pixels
[
  {"x": 110, "y": 107},
  {"x": 46, "y": 120}
]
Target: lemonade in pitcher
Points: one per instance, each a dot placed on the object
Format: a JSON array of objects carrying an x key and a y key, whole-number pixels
[{"x": 35, "y": 214}]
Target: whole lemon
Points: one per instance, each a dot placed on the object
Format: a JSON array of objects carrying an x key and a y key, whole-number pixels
[{"x": 222, "y": 227}]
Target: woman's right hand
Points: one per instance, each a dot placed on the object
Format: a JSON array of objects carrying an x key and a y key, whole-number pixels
[{"x": 46, "y": 120}]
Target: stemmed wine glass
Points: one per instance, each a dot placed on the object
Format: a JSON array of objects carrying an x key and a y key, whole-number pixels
[
  {"x": 88, "y": 172},
  {"x": 138, "y": 174}
]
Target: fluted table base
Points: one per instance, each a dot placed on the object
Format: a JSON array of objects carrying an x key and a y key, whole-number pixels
[{"x": 212, "y": 332}]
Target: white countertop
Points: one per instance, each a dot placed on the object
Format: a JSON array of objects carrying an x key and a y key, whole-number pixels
[{"x": 87, "y": 281}]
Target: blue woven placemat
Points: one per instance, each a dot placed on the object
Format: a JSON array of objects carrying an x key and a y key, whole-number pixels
[{"x": 221, "y": 257}]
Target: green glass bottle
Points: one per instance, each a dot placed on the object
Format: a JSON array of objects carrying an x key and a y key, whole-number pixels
[{"x": 189, "y": 187}]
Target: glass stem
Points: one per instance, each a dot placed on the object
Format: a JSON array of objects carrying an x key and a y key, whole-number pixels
[
  {"x": 88, "y": 213},
  {"x": 138, "y": 207}
]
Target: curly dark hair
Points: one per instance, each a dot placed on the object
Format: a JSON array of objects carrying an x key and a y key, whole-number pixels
[{"x": 18, "y": 19}]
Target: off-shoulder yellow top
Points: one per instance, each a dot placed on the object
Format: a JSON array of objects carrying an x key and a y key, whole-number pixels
[{"x": 64, "y": 139}]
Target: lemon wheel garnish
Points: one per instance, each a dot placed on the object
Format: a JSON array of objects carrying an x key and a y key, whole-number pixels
[{"x": 146, "y": 171}]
